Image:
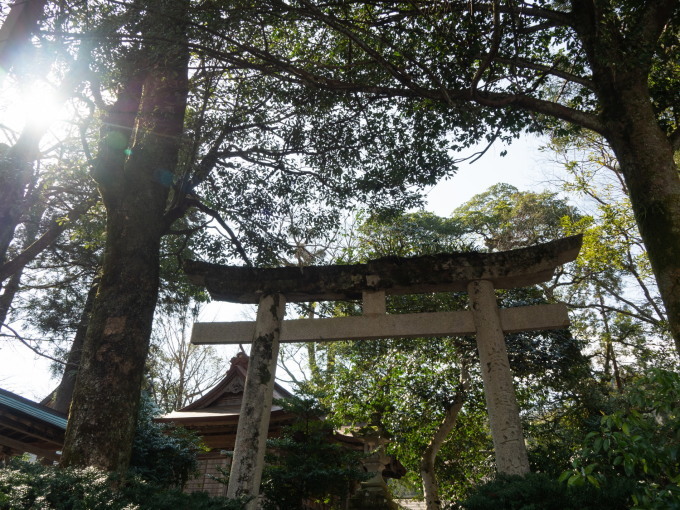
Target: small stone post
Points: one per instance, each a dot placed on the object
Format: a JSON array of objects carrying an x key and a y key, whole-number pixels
[
  {"x": 501, "y": 402},
  {"x": 253, "y": 425}
]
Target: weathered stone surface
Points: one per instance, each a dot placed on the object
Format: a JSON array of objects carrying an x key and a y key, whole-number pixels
[
  {"x": 375, "y": 325},
  {"x": 251, "y": 435},
  {"x": 394, "y": 275},
  {"x": 504, "y": 421}
]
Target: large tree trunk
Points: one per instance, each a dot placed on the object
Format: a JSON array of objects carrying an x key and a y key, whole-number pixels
[
  {"x": 16, "y": 30},
  {"x": 16, "y": 173},
  {"x": 651, "y": 175},
  {"x": 18, "y": 178},
  {"x": 645, "y": 156},
  {"x": 135, "y": 185},
  {"x": 631, "y": 126},
  {"x": 11, "y": 286}
]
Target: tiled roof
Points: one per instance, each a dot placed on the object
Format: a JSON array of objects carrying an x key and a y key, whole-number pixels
[{"x": 26, "y": 406}]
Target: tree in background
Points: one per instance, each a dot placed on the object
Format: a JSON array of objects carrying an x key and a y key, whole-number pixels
[
  {"x": 175, "y": 152},
  {"x": 180, "y": 372},
  {"x": 491, "y": 70},
  {"x": 613, "y": 291},
  {"x": 610, "y": 288},
  {"x": 505, "y": 218},
  {"x": 423, "y": 394}
]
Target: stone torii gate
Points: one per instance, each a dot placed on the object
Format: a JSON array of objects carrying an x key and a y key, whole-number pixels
[{"x": 477, "y": 273}]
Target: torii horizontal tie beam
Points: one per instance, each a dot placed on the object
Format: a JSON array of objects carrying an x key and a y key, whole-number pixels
[
  {"x": 393, "y": 275},
  {"x": 369, "y": 327}
]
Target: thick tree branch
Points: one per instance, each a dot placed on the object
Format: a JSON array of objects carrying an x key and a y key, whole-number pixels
[
  {"x": 58, "y": 226},
  {"x": 551, "y": 70},
  {"x": 653, "y": 19},
  {"x": 493, "y": 50},
  {"x": 286, "y": 71}
]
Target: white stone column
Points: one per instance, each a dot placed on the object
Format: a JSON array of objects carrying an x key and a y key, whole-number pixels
[
  {"x": 501, "y": 402},
  {"x": 253, "y": 425}
]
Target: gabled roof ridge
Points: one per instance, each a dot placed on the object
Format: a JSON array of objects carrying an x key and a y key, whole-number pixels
[
  {"x": 216, "y": 392},
  {"x": 238, "y": 368}
]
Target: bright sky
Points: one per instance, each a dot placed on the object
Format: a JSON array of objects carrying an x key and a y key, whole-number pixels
[{"x": 524, "y": 167}]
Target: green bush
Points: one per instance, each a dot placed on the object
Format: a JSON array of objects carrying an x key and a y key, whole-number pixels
[
  {"x": 305, "y": 464},
  {"x": 25, "y": 486},
  {"x": 537, "y": 491},
  {"x": 162, "y": 454},
  {"x": 639, "y": 442}
]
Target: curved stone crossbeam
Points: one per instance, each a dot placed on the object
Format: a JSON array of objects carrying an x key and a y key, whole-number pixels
[{"x": 448, "y": 272}]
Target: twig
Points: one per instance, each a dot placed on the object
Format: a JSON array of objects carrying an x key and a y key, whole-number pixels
[
  {"x": 16, "y": 335},
  {"x": 216, "y": 215}
]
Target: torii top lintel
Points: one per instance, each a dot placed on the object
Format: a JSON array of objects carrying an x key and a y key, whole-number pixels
[{"x": 446, "y": 272}]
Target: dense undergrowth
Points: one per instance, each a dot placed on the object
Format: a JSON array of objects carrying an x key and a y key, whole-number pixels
[{"x": 26, "y": 486}]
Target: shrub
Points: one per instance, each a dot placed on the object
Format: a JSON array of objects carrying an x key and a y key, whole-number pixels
[
  {"x": 537, "y": 491},
  {"x": 25, "y": 486},
  {"x": 305, "y": 464},
  {"x": 162, "y": 454},
  {"x": 639, "y": 442}
]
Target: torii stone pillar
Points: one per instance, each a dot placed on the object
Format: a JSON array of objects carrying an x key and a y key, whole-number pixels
[
  {"x": 253, "y": 425},
  {"x": 501, "y": 402}
]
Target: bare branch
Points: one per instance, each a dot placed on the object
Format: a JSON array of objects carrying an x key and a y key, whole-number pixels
[
  {"x": 21, "y": 339},
  {"x": 216, "y": 215}
]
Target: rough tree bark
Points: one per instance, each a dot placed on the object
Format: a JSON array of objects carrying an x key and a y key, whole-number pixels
[
  {"x": 646, "y": 160},
  {"x": 137, "y": 158}
]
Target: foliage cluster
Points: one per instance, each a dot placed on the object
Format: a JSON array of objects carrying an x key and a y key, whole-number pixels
[
  {"x": 25, "y": 486},
  {"x": 162, "y": 455},
  {"x": 306, "y": 464},
  {"x": 630, "y": 460},
  {"x": 538, "y": 491},
  {"x": 638, "y": 442}
]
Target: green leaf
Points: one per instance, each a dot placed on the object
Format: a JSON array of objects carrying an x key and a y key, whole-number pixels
[
  {"x": 593, "y": 481},
  {"x": 597, "y": 444},
  {"x": 575, "y": 481},
  {"x": 628, "y": 467},
  {"x": 565, "y": 476}
]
